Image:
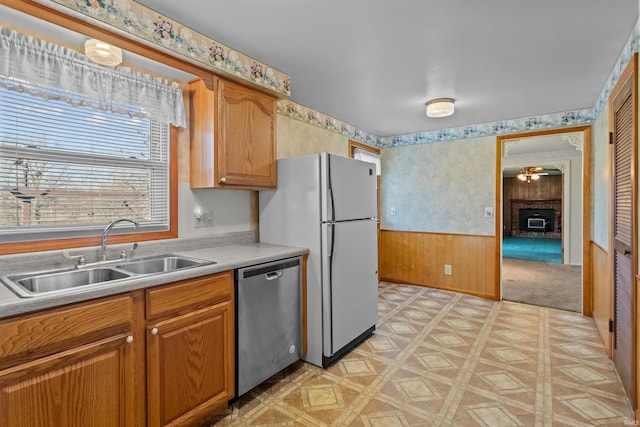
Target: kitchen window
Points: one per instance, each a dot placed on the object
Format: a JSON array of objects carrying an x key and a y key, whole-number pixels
[
  {"x": 366, "y": 153},
  {"x": 81, "y": 146}
]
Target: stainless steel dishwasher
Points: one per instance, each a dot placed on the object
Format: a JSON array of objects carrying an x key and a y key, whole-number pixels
[{"x": 268, "y": 321}]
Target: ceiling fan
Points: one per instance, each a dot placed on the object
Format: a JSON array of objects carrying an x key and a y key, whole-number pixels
[{"x": 529, "y": 173}]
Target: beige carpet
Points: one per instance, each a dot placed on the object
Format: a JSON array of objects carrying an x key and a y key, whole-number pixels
[{"x": 543, "y": 284}]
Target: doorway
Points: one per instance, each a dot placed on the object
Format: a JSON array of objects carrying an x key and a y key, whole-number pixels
[{"x": 540, "y": 231}]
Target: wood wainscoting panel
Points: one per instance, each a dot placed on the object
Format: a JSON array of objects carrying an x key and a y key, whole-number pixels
[
  {"x": 419, "y": 258},
  {"x": 602, "y": 293}
]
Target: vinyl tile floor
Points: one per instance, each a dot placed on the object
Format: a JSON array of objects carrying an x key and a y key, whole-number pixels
[{"x": 441, "y": 358}]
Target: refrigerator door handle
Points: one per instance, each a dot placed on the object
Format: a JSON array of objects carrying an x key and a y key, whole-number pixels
[
  {"x": 330, "y": 189},
  {"x": 331, "y": 229}
]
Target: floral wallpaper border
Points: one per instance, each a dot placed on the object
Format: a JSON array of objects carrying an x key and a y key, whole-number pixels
[
  {"x": 502, "y": 127},
  {"x": 312, "y": 117},
  {"x": 140, "y": 21}
]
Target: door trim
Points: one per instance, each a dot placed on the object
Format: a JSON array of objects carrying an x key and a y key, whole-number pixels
[{"x": 586, "y": 208}]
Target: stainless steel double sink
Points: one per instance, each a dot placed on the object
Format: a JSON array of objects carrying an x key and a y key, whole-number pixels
[{"x": 72, "y": 279}]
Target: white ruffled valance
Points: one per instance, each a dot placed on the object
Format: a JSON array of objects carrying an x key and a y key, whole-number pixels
[{"x": 55, "y": 72}]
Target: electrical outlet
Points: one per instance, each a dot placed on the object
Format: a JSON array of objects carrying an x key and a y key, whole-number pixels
[
  {"x": 488, "y": 212},
  {"x": 447, "y": 269}
]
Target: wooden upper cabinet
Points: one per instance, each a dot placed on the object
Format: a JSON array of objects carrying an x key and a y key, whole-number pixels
[{"x": 233, "y": 132}]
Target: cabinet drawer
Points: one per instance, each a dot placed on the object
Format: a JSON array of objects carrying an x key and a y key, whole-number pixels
[
  {"x": 32, "y": 336},
  {"x": 187, "y": 295}
]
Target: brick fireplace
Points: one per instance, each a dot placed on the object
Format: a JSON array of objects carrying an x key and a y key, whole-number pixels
[{"x": 536, "y": 218}]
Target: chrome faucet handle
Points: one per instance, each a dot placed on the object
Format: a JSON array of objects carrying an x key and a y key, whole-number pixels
[
  {"x": 123, "y": 254},
  {"x": 80, "y": 257}
]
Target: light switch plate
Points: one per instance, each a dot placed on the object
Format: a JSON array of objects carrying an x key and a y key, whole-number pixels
[
  {"x": 205, "y": 220},
  {"x": 488, "y": 212}
]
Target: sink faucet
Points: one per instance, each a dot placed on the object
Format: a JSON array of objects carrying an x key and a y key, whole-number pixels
[{"x": 105, "y": 233}]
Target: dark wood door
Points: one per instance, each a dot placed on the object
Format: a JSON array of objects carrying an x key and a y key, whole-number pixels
[{"x": 623, "y": 232}]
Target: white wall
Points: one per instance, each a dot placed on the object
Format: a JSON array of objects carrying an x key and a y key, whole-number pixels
[
  {"x": 573, "y": 241},
  {"x": 231, "y": 210}
]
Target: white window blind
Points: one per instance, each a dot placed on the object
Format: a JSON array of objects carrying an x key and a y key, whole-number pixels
[
  {"x": 68, "y": 170},
  {"x": 367, "y": 156}
]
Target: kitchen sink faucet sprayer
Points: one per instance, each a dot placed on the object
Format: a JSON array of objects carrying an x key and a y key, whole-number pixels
[{"x": 105, "y": 233}]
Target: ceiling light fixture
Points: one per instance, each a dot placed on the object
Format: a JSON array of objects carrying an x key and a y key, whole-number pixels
[
  {"x": 528, "y": 173},
  {"x": 102, "y": 53},
  {"x": 441, "y": 107}
]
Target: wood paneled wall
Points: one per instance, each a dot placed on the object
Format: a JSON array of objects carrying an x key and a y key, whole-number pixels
[
  {"x": 547, "y": 187},
  {"x": 601, "y": 292},
  {"x": 419, "y": 258}
]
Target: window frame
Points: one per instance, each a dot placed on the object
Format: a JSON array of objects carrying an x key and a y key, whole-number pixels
[
  {"x": 129, "y": 43},
  {"x": 355, "y": 144}
]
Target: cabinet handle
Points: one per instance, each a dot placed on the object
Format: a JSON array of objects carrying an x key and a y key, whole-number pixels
[
  {"x": 223, "y": 179},
  {"x": 154, "y": 331},
  {"x": 129, "y": 339}
]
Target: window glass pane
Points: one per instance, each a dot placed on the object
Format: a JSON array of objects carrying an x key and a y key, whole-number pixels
[
  {"x": 367, "y": 156},
  {"x": 30, "y": 121},
  {"x": 66, "y": 170}
]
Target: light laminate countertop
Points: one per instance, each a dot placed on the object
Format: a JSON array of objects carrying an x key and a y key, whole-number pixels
[{"x": 227, "y": 257}]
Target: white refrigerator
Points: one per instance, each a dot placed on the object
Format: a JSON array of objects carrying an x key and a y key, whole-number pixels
[{"x": 328, "y": 203}]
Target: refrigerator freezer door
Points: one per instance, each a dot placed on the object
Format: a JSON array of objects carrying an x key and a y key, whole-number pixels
[
  {"x": 350, "y": 282},
  {"x": 353, "y": 188}
]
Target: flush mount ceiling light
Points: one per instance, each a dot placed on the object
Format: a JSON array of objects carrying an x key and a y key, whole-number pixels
[
  {"x": 441, "y": 107},
  {"x": 102, "y": 53}
]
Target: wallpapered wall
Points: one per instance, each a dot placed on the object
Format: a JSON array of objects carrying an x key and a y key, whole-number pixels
[
  {"x": 440, "y": 187},
  {"x": 296, "y": 138}
]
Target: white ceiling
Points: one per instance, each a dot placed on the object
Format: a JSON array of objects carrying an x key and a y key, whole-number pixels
[{"x": 374, "y": 63}]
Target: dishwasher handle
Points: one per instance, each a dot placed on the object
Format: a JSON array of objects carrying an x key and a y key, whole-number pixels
[
  {"x": 270, "y": 269},
  {"x": 273, "y": 275}
]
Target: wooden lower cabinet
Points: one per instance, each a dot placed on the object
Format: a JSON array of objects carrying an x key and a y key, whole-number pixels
[
  {"x": 92, "y": 385},
  {"x": 70, "y": 366},
  {"x": 190, "y": 366},
  {"x": 84, "y": 364}
]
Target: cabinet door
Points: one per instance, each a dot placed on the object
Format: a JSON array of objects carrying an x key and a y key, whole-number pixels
[
  {"x": 92, "y": 385},
  {"x": 245, "y": 146},
  {"x": 190, "y": 366}
]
